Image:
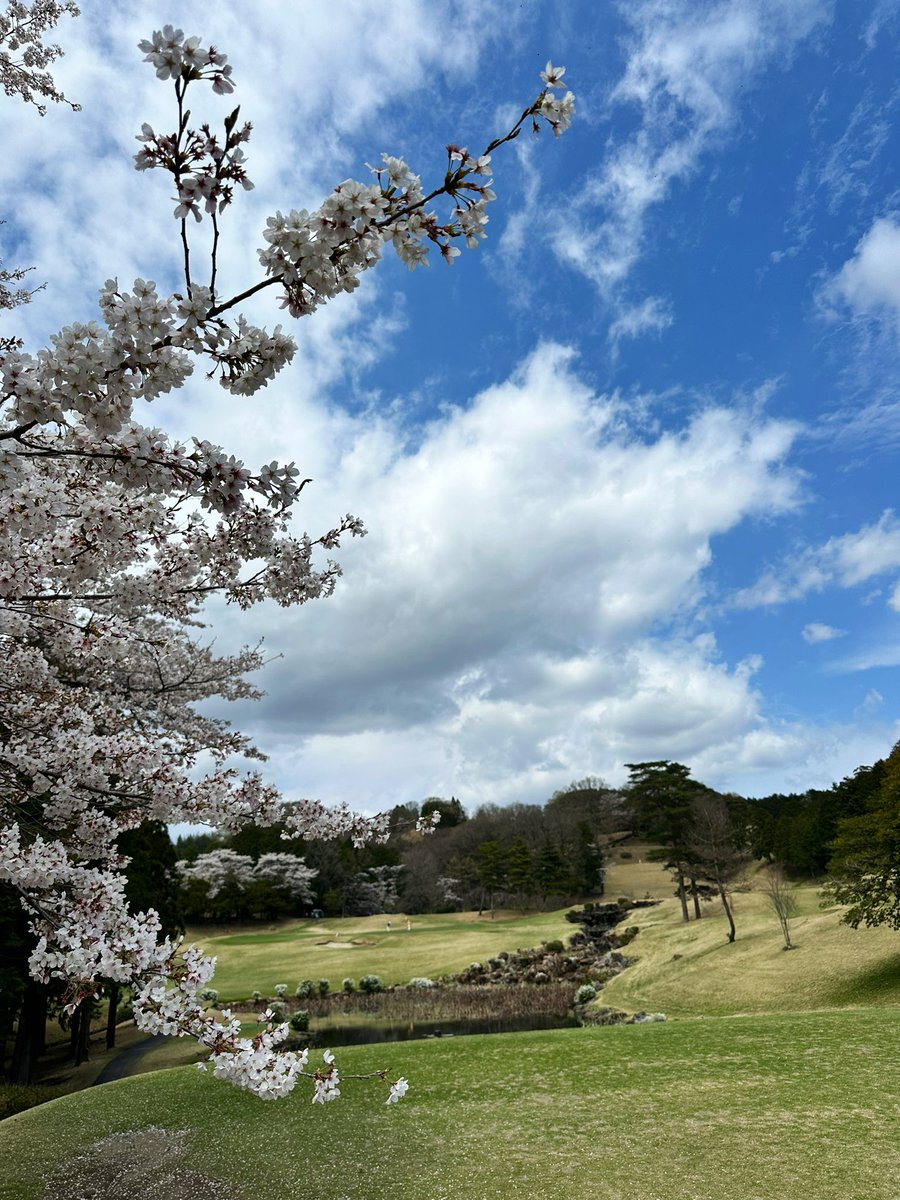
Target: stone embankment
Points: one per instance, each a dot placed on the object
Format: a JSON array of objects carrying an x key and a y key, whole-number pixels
[{"x": 593, "y": 956}]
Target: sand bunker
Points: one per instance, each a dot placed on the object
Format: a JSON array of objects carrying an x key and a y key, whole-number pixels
[{"x": 343, "y": 945}]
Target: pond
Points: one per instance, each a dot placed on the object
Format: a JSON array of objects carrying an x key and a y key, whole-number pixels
[{"x": 405, "y": 1031}]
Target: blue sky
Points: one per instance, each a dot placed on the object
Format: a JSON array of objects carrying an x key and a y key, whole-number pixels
[{"x": 628, "y": 468}]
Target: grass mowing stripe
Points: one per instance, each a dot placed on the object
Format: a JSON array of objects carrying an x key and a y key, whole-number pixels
[{"x": 741, "y": 1108}]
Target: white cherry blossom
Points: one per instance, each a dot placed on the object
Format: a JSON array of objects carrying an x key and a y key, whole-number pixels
[{"x": 113, "y": 534}]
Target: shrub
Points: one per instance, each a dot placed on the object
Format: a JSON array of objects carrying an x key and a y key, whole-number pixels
[
  {"x": 585, "y": 994},
  {"x": 209, "y": 995},
  {"x": 348, "y": 986},
  {"x": 371, "y": 984},
  {"x": 421, "y": 983},
  {"x": 278, "y": 1011},
  {"x": 554, "y": 947},
  {"x": 628, "y": 934},
  {"x": 625, "y": 854},
  {"x": 299, "y": 1022},
  {"x": 280, "y": 989},
  {"x": 324, "y": 985},
  {"x": 305, "y": 989},
  {"x": 256, "y": 997}
]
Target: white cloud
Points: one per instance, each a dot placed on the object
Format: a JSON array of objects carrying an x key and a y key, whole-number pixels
[
  {"x": 505, "y": 621},
  {"x": 869, "y": 282},
  {"x": 816, "y": 632},
  {"x": 885, "y": 653},
  {"x": 844, "y": 561},
  {"x": 652, "y": 315},
  {"x": 884, "y": 14},
  {"x": 688, "y": 67},
  {"x": 872, "y": 701},
  {"x": 793, "y": 757}
]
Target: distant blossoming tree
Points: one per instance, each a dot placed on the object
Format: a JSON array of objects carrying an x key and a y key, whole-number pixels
[{"x": 112, "y": 535}]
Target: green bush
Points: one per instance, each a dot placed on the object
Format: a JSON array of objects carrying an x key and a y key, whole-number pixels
[
  {"x": 209, "y": 995},
  {"x": 299, "y": 1022},
  {"x": 278, "y": 1011},
  {"x": 305, "y": 989},
  {"x": 324, "y": 985},
  {"x": 421, "y": 983},
  {"x": 256, "y": 997},
  {"x": 628, "y": 934},
  {"x": 280, "y": 989},
  {"x": 585, "y": 994},
  {"x": 348, "y": 986},
  {"x": 554, "y": 947},
  {"x": 371, "y": 983}
]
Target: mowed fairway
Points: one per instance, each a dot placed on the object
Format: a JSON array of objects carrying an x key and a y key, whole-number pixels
[
  {"x": 741, "y": 1108},
  {"x": 334, "y": 949}
]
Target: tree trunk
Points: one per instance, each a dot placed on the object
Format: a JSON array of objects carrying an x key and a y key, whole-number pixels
[
  {"x": 682, "y": 896},
  {"x": 30, "y": 1033},
  {"x": 727, "y": 907},
  {"x": 74, "y": 1029},
  {"x": 83, "y": 1036},
  {"x": 786, "y": 930},
  {"x": 113, "y": 990},
  {"x": 695, "y": 895}
]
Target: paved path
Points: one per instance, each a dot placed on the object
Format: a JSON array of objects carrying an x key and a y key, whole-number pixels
[{"x": 121, "y": 1066}]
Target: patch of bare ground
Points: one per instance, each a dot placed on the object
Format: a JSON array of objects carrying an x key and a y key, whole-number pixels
[{"x": 139, "y": 1164}]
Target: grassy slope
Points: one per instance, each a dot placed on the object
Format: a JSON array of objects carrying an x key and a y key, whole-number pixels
[
  {"x": 634, "y": 876},
  {"x": 832, "y": 966},
  {"x": 436, "y": 945},
  {"x": 746, "y": 1108}
]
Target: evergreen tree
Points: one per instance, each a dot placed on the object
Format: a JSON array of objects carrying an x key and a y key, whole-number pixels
[
  {"x": 491, "y": 866},
  {"x": 865, "y": 862},
  {"x": 520, "y": 871},
  {"x": 660, "y": 794},
  {"x": 552, "y": 873}
]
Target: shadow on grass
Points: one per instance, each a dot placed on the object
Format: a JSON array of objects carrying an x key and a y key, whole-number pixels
[{"x": 881, "y": 982}]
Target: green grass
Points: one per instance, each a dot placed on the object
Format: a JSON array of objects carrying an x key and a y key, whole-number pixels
[
  {"x": 833, "y": 966},
  {"x": 745, "y": 1108},
  {"x": 634, "y": 876},
  {"x": 256, "y": 960}
]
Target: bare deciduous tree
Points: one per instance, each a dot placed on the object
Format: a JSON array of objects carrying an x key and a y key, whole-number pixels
[
  {"x": 714, "y": 844},
  {"x": 781, "y": 896}
]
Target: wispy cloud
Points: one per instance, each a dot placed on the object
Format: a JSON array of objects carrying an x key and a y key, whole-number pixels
[
  {"x": 844, "y": 561},
  {"x": 652, "y": 315},
  {"x": 687, "y": 69}
]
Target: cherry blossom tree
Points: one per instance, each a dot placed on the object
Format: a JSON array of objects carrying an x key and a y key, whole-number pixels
[
  {"x": 112, "y": 535},
  {"x": 287, "y": 873},
  {"x": 219, "y": 869}
]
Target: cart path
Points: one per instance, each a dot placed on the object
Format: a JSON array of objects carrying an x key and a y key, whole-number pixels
[{"x": 121, "y": 1066}]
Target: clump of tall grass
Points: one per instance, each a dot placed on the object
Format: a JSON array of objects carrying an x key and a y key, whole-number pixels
[{"x": 458, "y": 1003}]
